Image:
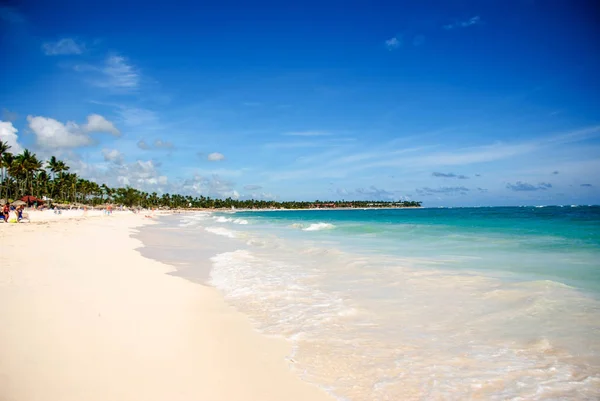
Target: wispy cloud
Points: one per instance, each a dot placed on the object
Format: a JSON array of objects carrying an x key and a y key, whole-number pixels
[
  {"x": 143, "y": 145},
  {"x": 215, "y": 157},
  {"x": 158, "y": 144},
  {"x": 426, "y": 191},
  {"x": 252, "y": 187},
  {"x": 63, "y": 47},
  {"x": 371, "y": 192},
  {"x": 500, "y": 151},
  {"x": 310, "y": 139},
  {"x": 524, "y": 186},
  {"x": 464, "y": 24},
  {"x": 120, "y": 74},
  {"x": 135, "y": 116},
  {"x": 393, "y": 43},
  {"x": 337, "y": 164},
  {"x": 116, "y": 73},
  {"x": 450, "y": 175}
]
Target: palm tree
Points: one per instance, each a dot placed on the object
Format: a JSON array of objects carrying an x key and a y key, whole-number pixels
[
  {"x": 4, "y": 147},
  {"x": 34, "y": 165},
  {"x": 52, "y": 165},
  {"x": 27, "y": 164},
  {"x": 18, "y": 170},
  {"x": 42, "y": 181},
  {"x": 7, "y": 161}
]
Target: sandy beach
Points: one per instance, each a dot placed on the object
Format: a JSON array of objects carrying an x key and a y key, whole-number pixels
[{"x": 85, "y": 317}]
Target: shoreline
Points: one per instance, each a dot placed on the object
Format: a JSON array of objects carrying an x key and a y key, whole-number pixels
[{"x": 86, "y": 316}]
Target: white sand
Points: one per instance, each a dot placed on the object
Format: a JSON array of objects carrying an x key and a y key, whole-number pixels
[{"x": 85, "y": 317}]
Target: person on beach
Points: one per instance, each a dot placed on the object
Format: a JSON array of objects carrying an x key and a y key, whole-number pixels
[
  {"x": 20, "y": 216},
  {"x": 5, "y": 211}
]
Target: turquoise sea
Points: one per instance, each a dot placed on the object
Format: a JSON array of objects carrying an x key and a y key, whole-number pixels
[{"x": 421, "y": 304}]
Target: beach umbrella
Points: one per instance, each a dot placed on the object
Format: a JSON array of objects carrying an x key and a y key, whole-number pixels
[
  {"x": 31, "y": 199},
  {"x": 18, "y": 203}
]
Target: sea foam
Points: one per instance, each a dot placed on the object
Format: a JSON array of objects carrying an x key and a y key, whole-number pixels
[
  {"x": 319, "y": 227},
  {"x": 220, "y": 231}
]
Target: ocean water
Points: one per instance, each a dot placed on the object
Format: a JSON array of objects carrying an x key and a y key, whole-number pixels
[{"x": 421, "y": 304}]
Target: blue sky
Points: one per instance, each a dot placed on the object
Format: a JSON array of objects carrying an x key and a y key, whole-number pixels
[{"x": 448, "y": 102}]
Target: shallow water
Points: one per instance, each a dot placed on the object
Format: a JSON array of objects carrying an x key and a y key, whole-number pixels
[{"x": 452, "y": 304}]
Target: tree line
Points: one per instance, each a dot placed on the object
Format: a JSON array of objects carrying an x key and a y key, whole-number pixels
[{"x": 24, "y": 174}]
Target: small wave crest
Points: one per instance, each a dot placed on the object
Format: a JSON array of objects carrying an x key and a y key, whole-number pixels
[
  {"x": 190, "y": 220},
  {"x": 319, "y": 227},
  {"x": 223, "y": 219}
]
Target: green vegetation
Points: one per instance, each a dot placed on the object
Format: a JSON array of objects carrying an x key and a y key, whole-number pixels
[{"x": 24, "y": 174}]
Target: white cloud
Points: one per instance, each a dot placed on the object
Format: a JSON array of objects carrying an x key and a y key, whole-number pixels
[
  {"x": 143, "y": 169},
  {"x": 393, "y": 43},
  {"x": 464, "y": 24},
  {"x": 213, "y": 186},
  {"x": 160, "y": 144},
  {"x": 53, "y": 134},
  {"x": 215, "y": 157},
  {"x": 143, "y": 175},
  {"x": 113, "y": 156},
  {"x": 8, "y": 134},
  {"x": 97, "y": 123},
  {"x": 63, "y": 47}
]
